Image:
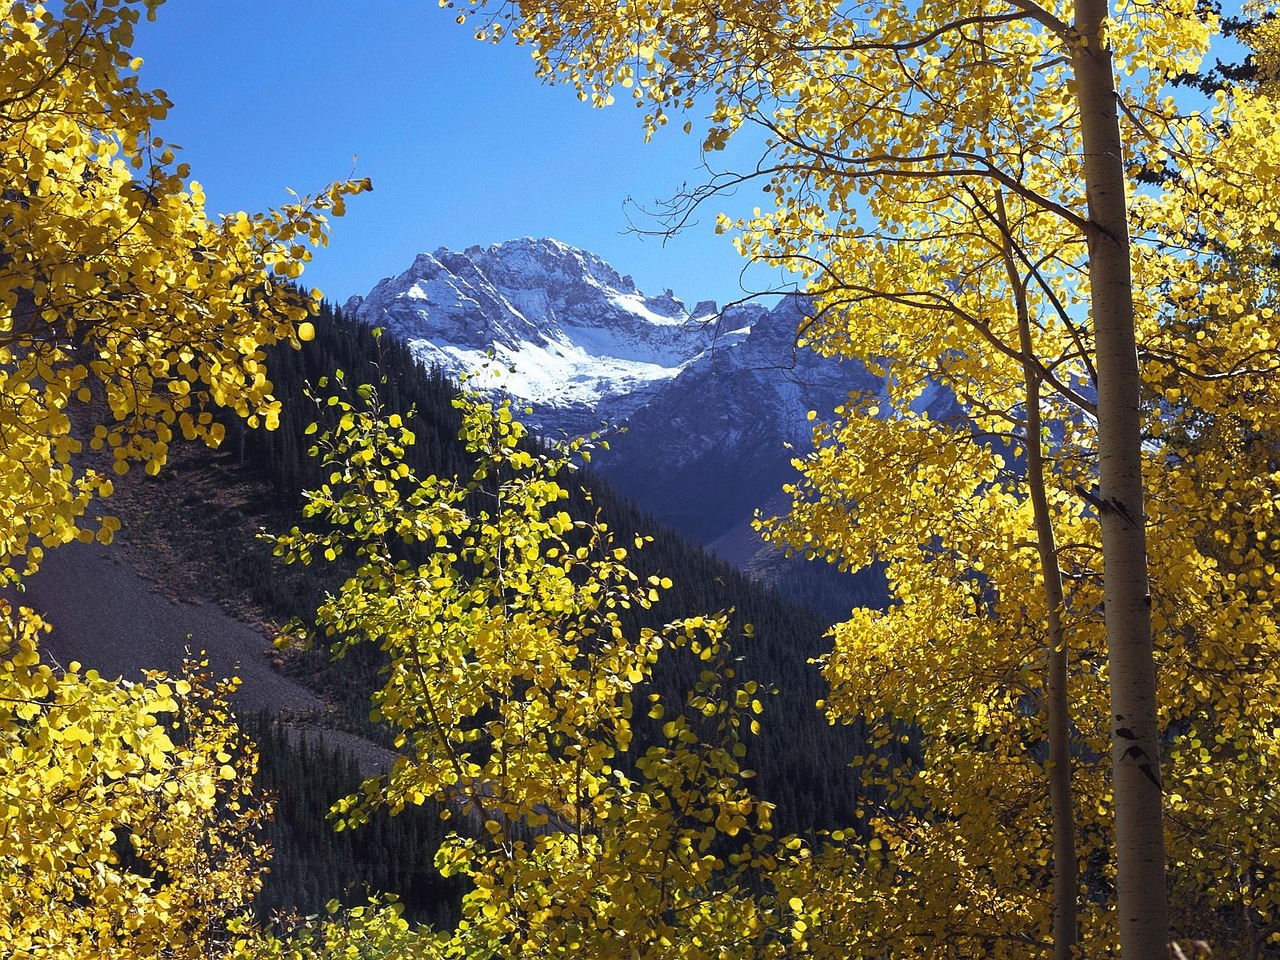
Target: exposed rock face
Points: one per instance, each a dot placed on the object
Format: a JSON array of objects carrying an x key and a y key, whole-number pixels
[{"x": 550, "y": 324}]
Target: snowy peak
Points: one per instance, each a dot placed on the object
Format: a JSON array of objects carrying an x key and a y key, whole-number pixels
[
  {"x": 545, "y": 264},
  {"x": 716, "y": 401},
  {"x": 556, "y": 326}
]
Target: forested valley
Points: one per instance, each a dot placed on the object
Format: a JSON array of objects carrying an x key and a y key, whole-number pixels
[{"x": 800, "y": 760}]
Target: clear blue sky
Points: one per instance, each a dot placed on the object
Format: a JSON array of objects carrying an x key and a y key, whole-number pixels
[{"x": 462, "y": 143}]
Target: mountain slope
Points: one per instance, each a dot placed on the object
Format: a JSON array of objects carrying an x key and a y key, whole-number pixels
[
  {"x": 715, "y": 402},
  {"x": 717, "y": 442},
  {"x": 800, "y": 759}
]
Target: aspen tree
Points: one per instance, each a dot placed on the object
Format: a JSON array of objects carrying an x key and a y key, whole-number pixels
[
  {"x": 510, "y": 686},
  {"x": 114, "y": 281},
  {"x": 130, "y": 826},
  {"x": 126, "y": 314},
  {"x": 896, "y": 133}
]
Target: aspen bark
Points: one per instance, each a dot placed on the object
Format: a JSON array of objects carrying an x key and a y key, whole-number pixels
[
  {"x": 1057, "y": 704},
  {"x": 1140, "y": 880}
]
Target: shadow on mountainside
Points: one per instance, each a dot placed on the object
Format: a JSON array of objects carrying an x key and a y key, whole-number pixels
[{"x": 109, "y": 611}]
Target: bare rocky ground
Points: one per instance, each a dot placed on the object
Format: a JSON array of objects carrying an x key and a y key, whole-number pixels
[
  {"x": 136, "y": 605},
  {"x": 111, "y": 613}
]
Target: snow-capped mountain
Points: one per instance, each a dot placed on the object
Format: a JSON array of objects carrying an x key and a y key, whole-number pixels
[
  {"x": 715, "y": 402},
  {"x": 545, "y": 322}
]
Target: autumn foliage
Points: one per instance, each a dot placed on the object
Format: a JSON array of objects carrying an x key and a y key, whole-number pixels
[
  {"x": 1072, "y": 689},
  {"x": 114, "y": 282},
  {"x": 126, "y": 314},
  {"x": 511, "y": 685},
  {"x": 130, "y": 821}
]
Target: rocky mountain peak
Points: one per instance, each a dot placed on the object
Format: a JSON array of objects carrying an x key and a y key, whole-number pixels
[
  {"x": 531, "y": 263},
  {"x": 715, "y": 400},
  {"x": 569, "y": 333}
]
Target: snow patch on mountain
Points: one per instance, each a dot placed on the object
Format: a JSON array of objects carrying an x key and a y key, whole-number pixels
[
  {"x": 555, "y": 326},
  {"x": 559, "y": 378}
]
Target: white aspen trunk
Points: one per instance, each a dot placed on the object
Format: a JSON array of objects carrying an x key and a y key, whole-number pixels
[{"x": 1135, "y": 751}]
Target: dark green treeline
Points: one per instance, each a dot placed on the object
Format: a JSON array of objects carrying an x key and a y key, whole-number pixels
[{"x": 801, "y": 762}]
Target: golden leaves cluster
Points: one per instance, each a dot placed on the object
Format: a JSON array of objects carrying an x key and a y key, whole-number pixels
[
  {"x": 126, "y": 314},
  {"x": 117, "y": 291},
  {"x": 372, "y": 929},
  {"x": 129, "y": 823},
  {"x": 511, "y": 682}
]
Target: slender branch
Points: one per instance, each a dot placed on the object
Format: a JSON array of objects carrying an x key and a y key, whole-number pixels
[
  {"x": 1057, "y": 704},
  {"x": 1043, "y": 17},
  {"x": 914, "y": 43},
  {"x": 908, "y": 299},
  {"x": 1042, "y": 282},
  {"x": 1168, "y": 359},
  {"x": 1035, "y": 269},
  {"x": 890, "y": 167}
]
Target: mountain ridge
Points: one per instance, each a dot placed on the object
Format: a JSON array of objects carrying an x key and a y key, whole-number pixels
[
  {"x": 546, "y": 322},
  {"x": 715, "y": 402}
]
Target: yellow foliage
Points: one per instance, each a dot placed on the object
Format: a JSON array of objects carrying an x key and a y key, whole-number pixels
[
  {"x": 114, "y": 282},
  {"x": 926, "y": 172},
  {"x": 510, "y": 683},
  {"x": 374, "y": 929},
  {"x": 126, "y": 313},
  {"x": 125, "y": 830}
]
